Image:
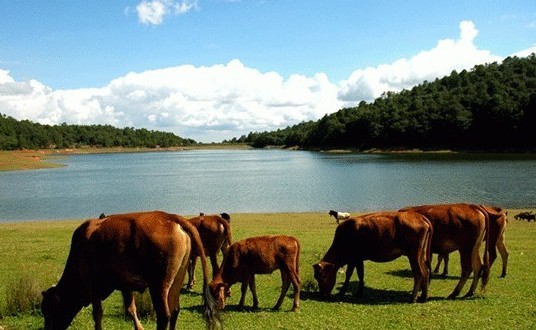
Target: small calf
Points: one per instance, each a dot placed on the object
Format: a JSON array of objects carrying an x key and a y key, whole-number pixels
[
  {"x": 339, "y": 215},
  {"x": 259, "y": 255}
]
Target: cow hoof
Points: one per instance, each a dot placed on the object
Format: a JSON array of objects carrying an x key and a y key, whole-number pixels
[
  {"x": 452, "y": 296},
  {"x": 469, "y": 294}
]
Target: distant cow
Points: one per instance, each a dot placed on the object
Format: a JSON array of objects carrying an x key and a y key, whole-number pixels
[
  {"x": 339, "y": 215},
  {"x": 379, "y": 237},
  {"x": 259, "y": 255},
  {"x": 215, "y": 232},
  {"x": 461, "y": 227},
  {"x": 127, "y": 252},
  {"x": 529, "y": 216},
  {"x": 498, "y": 219}
]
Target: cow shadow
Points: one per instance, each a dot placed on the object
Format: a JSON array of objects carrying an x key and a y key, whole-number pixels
[
  {"x": 406, "y": 273},
  {"x": 371, "y": 296}
]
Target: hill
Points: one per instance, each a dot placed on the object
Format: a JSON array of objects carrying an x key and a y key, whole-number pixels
[
  {"x": 492, "y": 107},
  {"x": 24, "y": 134}
]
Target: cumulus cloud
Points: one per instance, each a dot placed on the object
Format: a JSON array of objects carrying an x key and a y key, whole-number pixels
[
  {"x": 204, "y": 103},
  {"x": 369, "y": 83},
  {"x": 212, "y": 103},
  {"x": 153, "y": 12}
]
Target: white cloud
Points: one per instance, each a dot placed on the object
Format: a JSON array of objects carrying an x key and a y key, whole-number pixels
[
  {"x": 204, "y": 103},
  {"x": 153, "y": 12},
  {"x": 212, "y": 103},
  {"x": 526, "y": 52},
  {"x": 369, "y": 83}
]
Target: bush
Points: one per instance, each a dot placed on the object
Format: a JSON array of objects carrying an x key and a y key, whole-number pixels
[{"x": 22, "y": 296}]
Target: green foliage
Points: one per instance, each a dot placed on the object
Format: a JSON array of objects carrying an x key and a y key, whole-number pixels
[
  {"x": 22, "y": 296},
  {"x": 491, "y": 107},
  {"x": 25, "y": 134}
]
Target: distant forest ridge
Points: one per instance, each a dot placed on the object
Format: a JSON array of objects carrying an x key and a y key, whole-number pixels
[
  {"x": 24, "y": 134},
  {"x": 492, "y": 107}
]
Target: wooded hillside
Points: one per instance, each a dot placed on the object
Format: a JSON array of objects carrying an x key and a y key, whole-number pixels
[
  {"x": 25, "y": 134},
  {"x": 490, "y": 107}
]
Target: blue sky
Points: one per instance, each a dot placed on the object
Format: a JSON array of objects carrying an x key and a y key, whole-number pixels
[{"x": 216, "y": 69}]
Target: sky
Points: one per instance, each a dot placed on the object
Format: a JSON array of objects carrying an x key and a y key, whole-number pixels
[{"x": 216, "y": 69}]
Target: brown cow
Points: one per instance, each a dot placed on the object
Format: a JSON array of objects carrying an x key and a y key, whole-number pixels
[
  {"x": 379, "y": 237},
  {"x": 498, "y": 219},
  {"x": 215, "y": 232},
  {"x": 461, "y": 227},
  {"x": 127, "y": 252},
  {"x": 259, "y": 255}
]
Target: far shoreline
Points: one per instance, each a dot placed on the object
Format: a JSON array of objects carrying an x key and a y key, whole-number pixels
[{"x": 26, "y": 159}]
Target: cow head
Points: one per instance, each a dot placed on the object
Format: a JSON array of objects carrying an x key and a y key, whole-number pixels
[
  {"x": 57, "y": 312},
  {"x": 325, "y": 275},
  {"x": 220, "y": 291}
]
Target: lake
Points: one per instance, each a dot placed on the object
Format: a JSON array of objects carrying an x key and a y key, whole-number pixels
[{"x": 215, "y": 181}]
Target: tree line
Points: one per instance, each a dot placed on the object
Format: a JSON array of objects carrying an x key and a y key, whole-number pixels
[
  {"x": 490, "y": 107},
  {"x": 24, "y": 134}
]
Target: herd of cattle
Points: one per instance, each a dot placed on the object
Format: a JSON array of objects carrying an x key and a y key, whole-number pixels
[{"x": 155, "y": 250}]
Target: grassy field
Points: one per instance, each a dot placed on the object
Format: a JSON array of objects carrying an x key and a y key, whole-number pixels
[{"x": 39, "y": 250}]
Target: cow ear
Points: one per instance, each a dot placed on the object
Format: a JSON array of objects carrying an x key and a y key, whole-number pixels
[{"x": 317, "y": 267}]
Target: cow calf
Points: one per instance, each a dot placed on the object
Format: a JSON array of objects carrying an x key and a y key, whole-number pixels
[{"x": 259, "y": 255}]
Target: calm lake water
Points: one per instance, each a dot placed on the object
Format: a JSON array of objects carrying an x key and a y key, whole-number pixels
[{"x": 215, "y": 181}]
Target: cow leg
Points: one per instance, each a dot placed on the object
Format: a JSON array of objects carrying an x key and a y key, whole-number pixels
[
  {"x": 465, "y": 258},
  {"x": 97, "y": 313},
  {"x": 243, "y": 289},
  {"x": 253, "y": 289},
  {"x": 191, "y": 273},
  {"x": 478, "y": 268},
  {"x": 214, "y": 263},
  {"x": 130, "y": 308},
  {"x": 439, "y": 259},
  {"x": 504, "y": 254},
  {"x": 417, "y": 271},
  {"x": 160, "y": 305},
  {"x": 285, "y": 284},
  {"x": 361, "y": 276},
  {"x": 349, "y": 272},
  {"x": 296, "y": 284},
  {"x": 446, "y": 267}
]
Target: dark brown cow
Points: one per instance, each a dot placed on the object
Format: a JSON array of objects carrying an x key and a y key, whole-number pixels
[
  {"x": 461, "y": 227},
  {"x": 215, "y": 232},
  {"x": 498, "y": 218},
  {"x": 379, "y": 237},
  {"x": 127, "y": 252},
  {"x": 259, "y": 255}
]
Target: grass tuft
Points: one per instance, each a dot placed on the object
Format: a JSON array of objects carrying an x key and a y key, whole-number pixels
[{"x": 22, "y": 296}]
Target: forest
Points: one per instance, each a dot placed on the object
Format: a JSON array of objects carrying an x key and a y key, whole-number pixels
[
  {"x": 24, "y": 134},
  {"x": 492, "y": 107}
]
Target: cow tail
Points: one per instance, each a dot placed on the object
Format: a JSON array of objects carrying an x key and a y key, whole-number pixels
[
  {"x": 224, "y": 220},
  {"x": 487, "y": 265},
  {"x": 429, "y": 234},
  {"x": 211, "y": 312}
]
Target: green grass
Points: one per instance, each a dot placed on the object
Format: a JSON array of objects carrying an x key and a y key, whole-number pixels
[{"x": 39, "y": 250}]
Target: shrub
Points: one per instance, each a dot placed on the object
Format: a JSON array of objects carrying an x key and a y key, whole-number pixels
[{"x": 22, "y": 296}]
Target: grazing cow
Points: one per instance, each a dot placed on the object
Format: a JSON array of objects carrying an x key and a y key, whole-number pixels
[
  {"x": 525, "y": 216},
  {"x": 339, "y": 215},
  {"x": 498, "y": 218},
  {"x": 379, "y": 237},
  {"x": 461, "y": 227},
  {"x": 259, "y": 255},
  {"x": 127, "y": 252},
  {"x": 215, "y": 232}
]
